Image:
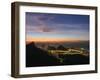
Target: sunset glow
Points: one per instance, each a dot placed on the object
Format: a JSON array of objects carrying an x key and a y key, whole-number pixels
[
  {"x": 44, "y": 39},
  {"x": 43, "y": 27}
]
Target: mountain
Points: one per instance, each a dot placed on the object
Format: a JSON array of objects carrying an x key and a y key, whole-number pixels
[
  {"x": 38, "y": 57},
  {"x": 51, "y": 48},
  {"x": 61, "y": 47}
]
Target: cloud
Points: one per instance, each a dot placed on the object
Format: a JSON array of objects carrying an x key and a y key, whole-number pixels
[
  {"x": 59, "y": 28},
  {"x": 37, "y": 19},
  {"x": 38, "y": 23},
  {"x": 41, "y": 24},
  {"x": 41, "y": 29}
]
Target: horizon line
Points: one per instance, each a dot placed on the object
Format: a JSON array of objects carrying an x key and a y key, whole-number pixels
[{"x": 55, "y": 41}]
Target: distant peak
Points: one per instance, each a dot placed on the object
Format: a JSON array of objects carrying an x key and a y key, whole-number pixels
[{"x": 31, "y": 43}]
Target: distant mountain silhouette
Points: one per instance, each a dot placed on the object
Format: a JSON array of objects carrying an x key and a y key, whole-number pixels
[
  {"x": 51, "y": 48},
  {"x": 38, "y": 57},
  {"x": 61, "y": 47}
]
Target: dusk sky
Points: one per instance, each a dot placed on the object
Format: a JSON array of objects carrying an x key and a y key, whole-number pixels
[{"x": 43, "y": 27}]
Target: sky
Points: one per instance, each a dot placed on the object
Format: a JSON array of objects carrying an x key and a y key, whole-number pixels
[{"x": 48, "y": 27}]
